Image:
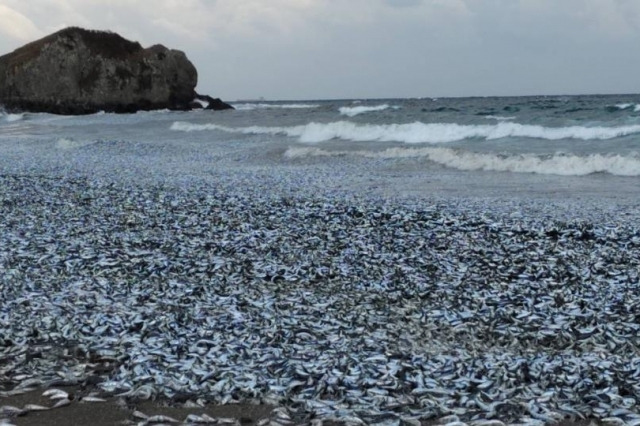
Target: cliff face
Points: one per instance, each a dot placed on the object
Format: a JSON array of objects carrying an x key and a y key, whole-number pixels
[{"x": 76, "y": 71}]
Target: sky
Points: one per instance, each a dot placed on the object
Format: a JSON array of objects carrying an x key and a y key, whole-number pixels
[{"x": 353, "y": 49}]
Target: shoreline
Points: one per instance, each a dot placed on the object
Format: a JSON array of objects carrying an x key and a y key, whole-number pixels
[
  {"x": 118, "y": 411},
  {"x": 111, "y": 411}
]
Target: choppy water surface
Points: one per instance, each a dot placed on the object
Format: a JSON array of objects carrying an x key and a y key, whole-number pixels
[{"x": 535, "y": 146}]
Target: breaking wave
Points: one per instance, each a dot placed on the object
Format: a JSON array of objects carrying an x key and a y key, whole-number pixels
[
  {"x": 558, "y": 164},
  {"x": 353, "y": 111},
  {"x": 419, "y": 132},
  {"x": 10, "y": 118},
  {"x": 252, "y": 106},
  {"x": 499, "y": 118},
  {"x": 625, "y": 106}
]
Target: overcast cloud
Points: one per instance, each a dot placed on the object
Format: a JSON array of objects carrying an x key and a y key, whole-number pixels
[{"x": 310, "y": 49}]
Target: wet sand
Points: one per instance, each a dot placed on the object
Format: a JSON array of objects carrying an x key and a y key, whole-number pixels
[{"x": 117, "y": 411}]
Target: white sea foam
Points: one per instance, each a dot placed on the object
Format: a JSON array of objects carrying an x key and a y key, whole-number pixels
[
  {"x": 636, "y": 107},
  {"x": 418, "y": 132},
  {"x": 183, "y": 126},
  {"x": 202, "y": 103},
  {"x": 624, "y": 106},
  {"x": 558, "y": 164},
  {"x": 499, "y": 118},
  {"x": 353, "y": 111},
  {"x": 10, "y": 118},
  {"x": 252, "y": 106}
]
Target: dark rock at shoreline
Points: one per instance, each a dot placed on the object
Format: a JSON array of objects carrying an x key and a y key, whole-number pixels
[
  {"x": 207, "y": 102},
  {"x": 77, "y": 71}
]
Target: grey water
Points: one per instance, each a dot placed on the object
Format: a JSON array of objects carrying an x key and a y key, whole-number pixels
[{"x": 545, "y": 146}]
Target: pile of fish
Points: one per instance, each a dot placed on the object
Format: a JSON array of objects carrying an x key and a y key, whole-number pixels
[{"x": 359, "y": 310}]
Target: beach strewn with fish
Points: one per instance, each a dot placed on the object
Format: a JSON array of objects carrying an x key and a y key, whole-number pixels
[{"x": 396, "y": 261}]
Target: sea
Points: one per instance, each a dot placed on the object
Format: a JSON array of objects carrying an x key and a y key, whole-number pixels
[{"x": 533, "y": 147}]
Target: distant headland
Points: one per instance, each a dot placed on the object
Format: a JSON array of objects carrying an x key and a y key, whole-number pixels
[{"x": 77, "y": 71}]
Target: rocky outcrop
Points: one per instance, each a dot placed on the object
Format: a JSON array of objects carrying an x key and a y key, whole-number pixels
[
  {"x": 77, "y": 71},
  {"x": 207, "y": 102}
]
